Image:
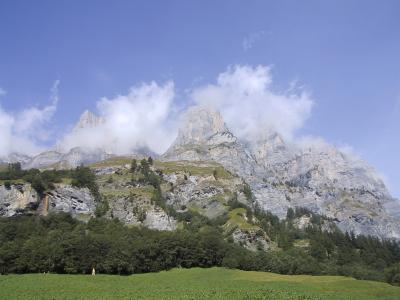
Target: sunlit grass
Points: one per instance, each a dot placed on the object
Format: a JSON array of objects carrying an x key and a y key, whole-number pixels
[{"x": 214, "y": 283}]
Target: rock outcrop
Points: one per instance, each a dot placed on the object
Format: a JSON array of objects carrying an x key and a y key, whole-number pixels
[
  {"x": 316, "y": 176},
  {"x": 203, "y": 187},
  {"x": 22, "y": 199},
  {"x": 73, "y": 158},
  {"x": 17, "y": 199},
  {"x": 43, "y": 160},
  {"x": 206, "y": 166},
  {"x": 65, "y": 198},
  {"x": 88, "y": 120}
]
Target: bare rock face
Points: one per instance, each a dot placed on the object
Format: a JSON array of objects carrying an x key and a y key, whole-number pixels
[
  {"x": 73, "y": 158},
  {"x": 88, "y": 120},
  {"x": 130, "y": 202},
  {"x": 17, "y": 199},
  {"x": 203, "y": 187},
  {"x": 22, "y": 199},
  {"x": 204, "y": 136},
  {"x": 78, "y": 156},
  {"x": 157, "y": 219},
  {"x": 316, "y": 176},
  {"x": 43, "y": 160},
  {"x": 200, "y": 125},
  {"x": 138, "y": 211},
  {"x": 65, "y": 198},
  {"x": 331, "y": 183}
]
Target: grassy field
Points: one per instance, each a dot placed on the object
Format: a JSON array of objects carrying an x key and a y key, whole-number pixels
[{"x": 215, "y": 283}]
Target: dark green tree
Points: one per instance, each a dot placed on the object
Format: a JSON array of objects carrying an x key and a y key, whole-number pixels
[{"x": 134, "y": 165}]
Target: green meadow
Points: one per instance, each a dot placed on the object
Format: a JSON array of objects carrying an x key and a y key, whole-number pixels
[{"x": 213, "y": 283}]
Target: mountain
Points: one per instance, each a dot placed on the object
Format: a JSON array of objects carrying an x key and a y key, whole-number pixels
[
  {"x": 88, "y": 120},
  {"x": 66, "y": 159},
  {"x": 204, "y": 136},
  {"x": 43, "y": 160},
  {"x": 281, "y": 175},
  {"x": 73, "y": 158}
]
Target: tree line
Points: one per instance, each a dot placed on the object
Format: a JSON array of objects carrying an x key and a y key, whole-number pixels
[
  {"x": 60, "y": 244},
  {"x": 43, "y": 181}
]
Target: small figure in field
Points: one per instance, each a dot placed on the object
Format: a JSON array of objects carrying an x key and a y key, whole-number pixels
[{"x": 93, "y": 271}]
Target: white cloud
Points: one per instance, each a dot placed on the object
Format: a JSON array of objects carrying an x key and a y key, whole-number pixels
[
  {"x": 24, "y": 131},
  {"x": 250, "y": 40},
  {"x": 250, "y": 106},
  {"x": 2, "y": 92},
  {"x": 140, "y": 119},
  {"x": 146, "y": 116}
]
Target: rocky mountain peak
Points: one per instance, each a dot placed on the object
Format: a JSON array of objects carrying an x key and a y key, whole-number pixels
[
  {"x": 281, "y": 173},
  {"x": 270, "y": 147},
  {"x": 199, "y": 124},
  {"x": 88, "y": 120},
  {"x": 312, "y": 174}
]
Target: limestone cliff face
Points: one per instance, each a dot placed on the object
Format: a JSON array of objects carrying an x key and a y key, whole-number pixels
[
  {"x": 204, "y": 187},
  {"x": 73, "y": 158},
  {"x": 43, "y": 160},
  {"x": 204, "y": 136},
  {"x": 130, "y": 202},
  {"x": 17, "y": 199},
  {"x": 200, "y": 125},
  {"x": 65, "y": 198},
  {"x": 22, "y": 199},
  {"x": 88, "y": 120},
  {"x": 281, "y": 174},
  {"x": 317, "y": 176},
  {"x": 78, "y": 156}
]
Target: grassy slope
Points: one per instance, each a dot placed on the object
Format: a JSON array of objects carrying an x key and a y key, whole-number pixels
[
  {"x": 215, "y": 283},
  {"x": 237, "y": 219}
]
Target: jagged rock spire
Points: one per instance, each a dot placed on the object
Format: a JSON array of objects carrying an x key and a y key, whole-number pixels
[
  {"x": 88, "y": 119},
  {"x": 199, "y": 124}
]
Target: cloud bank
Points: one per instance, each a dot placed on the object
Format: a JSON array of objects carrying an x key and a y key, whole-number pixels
[
  {"x": 251, "y": 107},
  {"x": 141, "y": 119},
  {"x": 24, "y": 131},
  {"x": 145, "y": 118}
]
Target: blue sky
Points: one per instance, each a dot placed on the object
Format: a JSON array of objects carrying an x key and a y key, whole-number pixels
[{"x": 345, "y": 52}]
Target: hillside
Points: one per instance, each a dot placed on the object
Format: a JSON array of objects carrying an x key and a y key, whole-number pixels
[
  {"x": 214, "y": 283},
  {"x": 280, "y": 173},
  {"x": 119, "y": 199}
]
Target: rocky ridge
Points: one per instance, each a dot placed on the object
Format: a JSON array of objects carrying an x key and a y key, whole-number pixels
[
  {"x": 22, "y": 199},
  {"x": 206, "y": 167},
  {"x": 282, "y": 175},
  {"x": 88, "y": 120}
]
